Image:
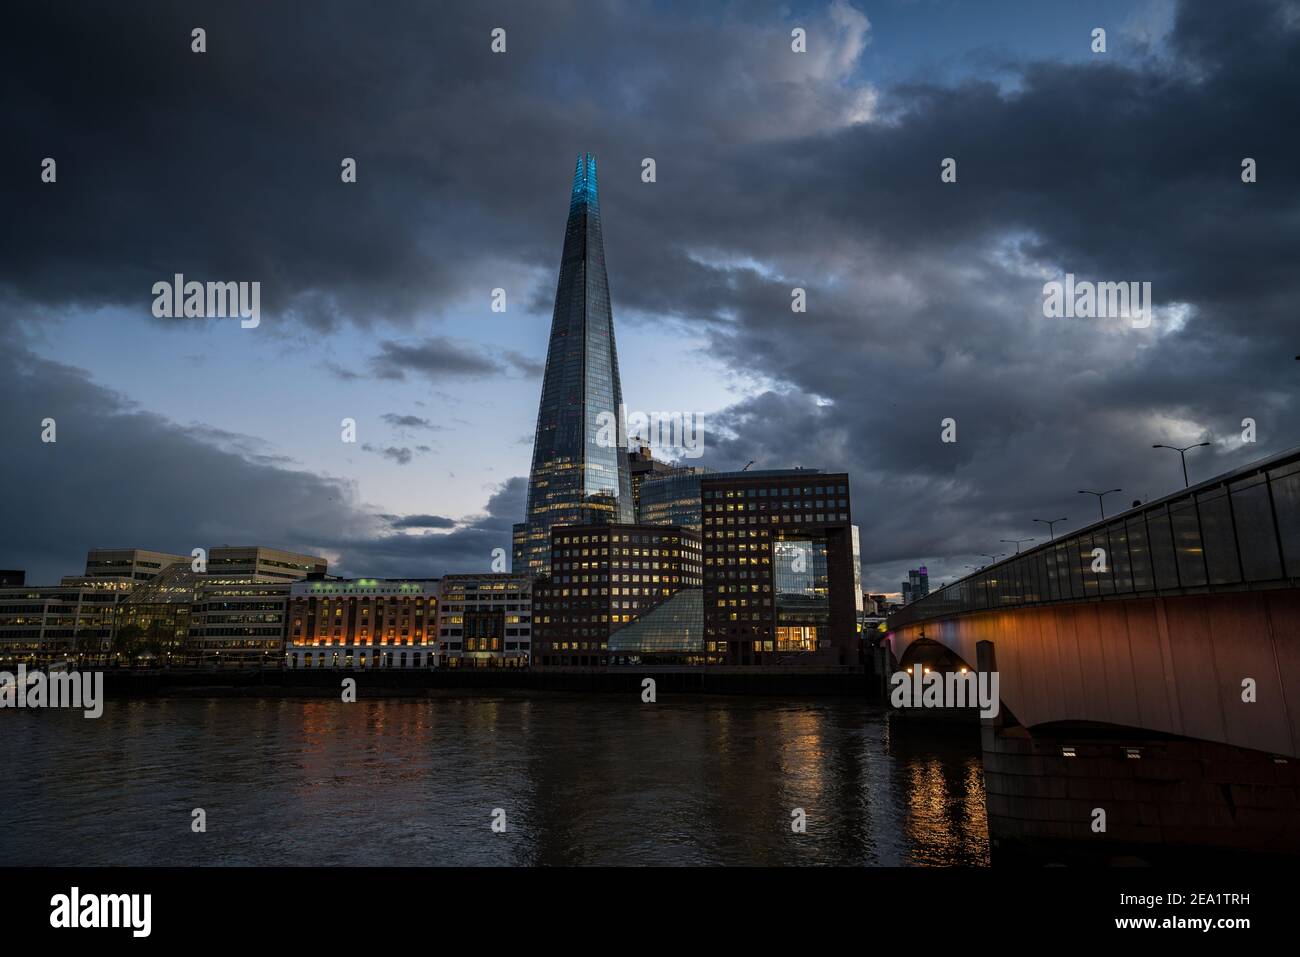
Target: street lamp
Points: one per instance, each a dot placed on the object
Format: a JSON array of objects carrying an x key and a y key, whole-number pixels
[
  {"x": 1100, "y": 496},
  {"x": 1051, "y": 525},
  {"x": 1182, "y": 453},
  {"x": 1016, "y": 542}
]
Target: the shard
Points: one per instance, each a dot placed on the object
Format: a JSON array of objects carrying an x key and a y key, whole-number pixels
[{"x": 580, "y": 467}]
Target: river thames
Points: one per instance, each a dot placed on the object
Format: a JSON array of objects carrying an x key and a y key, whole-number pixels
[{"x": 596, "y": 779}]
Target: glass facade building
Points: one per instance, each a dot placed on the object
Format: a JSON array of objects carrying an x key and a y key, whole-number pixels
[
  {"x": 670, "y": 634},
  {"x": 580, "y": 470},
  {"x": 672, "y": 499},
  {"x": 1238, "y": 531},
  {"x": 802, "y": 589}
]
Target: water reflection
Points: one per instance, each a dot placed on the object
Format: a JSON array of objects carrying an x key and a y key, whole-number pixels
[{"x": 599, "y": 779}]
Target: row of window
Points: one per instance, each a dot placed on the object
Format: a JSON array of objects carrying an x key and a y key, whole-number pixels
[
  {"x": 766, "y": 492},
  {"x": 818, "y": 503},
  {"x": 775, "y": 519}
]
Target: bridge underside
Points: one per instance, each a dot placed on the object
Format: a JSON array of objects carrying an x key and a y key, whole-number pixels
[{"x": 1175, "y": 665}]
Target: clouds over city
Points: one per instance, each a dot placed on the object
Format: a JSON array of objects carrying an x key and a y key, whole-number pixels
[{"x": 775, "y": 170}]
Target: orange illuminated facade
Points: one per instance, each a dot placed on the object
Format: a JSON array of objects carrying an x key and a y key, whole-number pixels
[{"x": 362, "y": 623}]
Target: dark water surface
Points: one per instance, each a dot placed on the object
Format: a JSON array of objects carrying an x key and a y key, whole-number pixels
[{"x": 597, "y": 779}]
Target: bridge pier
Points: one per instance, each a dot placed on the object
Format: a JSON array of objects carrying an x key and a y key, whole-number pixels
[{"x": 1106, "y": 795}]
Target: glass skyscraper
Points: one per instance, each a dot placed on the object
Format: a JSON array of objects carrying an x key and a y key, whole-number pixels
[{"x": 580, "y": 464}]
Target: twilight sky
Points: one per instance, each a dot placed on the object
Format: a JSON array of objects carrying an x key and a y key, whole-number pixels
[{"x": 774, "y": 170}]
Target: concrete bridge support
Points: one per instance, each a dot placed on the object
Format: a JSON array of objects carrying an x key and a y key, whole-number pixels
[{"x": 1177, "y": 718}]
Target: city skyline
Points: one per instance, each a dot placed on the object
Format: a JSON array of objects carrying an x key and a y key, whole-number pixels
[
  {"x": 174, "y": 433},
  {"x": 891, "y": 467}
]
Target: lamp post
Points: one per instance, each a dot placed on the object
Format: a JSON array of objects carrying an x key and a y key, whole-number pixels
[
  {"x": 1016, "y": 542},
  {"x": 1051, "y": 525},
  {"x": 1100, "y": 496},
  {"x": 1182, "y": 454}
]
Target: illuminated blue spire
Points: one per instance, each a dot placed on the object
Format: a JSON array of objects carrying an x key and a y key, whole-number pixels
[{"x": 584, "y": 183}]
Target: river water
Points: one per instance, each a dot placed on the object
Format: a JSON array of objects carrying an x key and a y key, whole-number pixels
[{"x": 595, "y": 779}]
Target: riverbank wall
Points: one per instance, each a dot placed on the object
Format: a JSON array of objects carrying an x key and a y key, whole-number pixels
[{"x": 397, "y": 682}]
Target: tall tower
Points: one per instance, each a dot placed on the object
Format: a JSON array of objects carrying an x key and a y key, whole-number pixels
[{"x": 580, "y": 467}]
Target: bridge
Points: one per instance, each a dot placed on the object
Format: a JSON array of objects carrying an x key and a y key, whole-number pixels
[{"x": 1149, "y": 667}]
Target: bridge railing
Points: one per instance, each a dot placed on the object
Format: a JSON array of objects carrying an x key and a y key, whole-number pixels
[{"x": 1238, "y": 531}]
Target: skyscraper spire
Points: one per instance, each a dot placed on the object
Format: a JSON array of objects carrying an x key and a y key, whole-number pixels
[
  {"x": 578, "y": 476},
  {"x": 584, "y": 183}
]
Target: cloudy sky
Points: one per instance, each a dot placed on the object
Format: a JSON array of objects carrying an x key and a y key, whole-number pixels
[{"x": 775, "y": 169}]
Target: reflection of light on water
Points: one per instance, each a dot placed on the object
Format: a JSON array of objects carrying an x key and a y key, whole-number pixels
[
  {"x": 588, "y": 779},
  {"x": 801, "y": 754},
  {"x": 973, "y": 819},
  {"x": 945, "y": 817}
]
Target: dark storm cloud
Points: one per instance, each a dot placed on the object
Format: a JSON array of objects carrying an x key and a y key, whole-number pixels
[
  {"x": 774, "y": 172},
  {"x": 116, "y": 475},
  {"x": 471, "y": 547},
  {"x": 400, "y": 455},
  {"x": 227, "y": 164},
  {"x": 435, "y": 358},
  {"x": 420, "y": 521},
  {"x": 438, "y": 357},
  {"x": 410, "y": 422},
  {"x": 927, "y": 306},
  {"x": 530, "y": 368}
]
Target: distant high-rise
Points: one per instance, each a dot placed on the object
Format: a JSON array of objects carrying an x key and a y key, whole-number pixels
[
  {"x": 917, "y": 585},
  {"x": 580, "y": 466}
]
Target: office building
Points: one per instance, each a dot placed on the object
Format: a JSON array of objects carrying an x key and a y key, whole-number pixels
[
  {"x": 858, "y": 600},
  {"x": 641, "y": 464},
  {"x": 239, "y": 620},
  {"x": 917, "y": 585},
  {"x": 485, "y": 621},
  {"x": 580, "y": 471},
  {"x": 671, "y": 497},
  {"x": 131, "y": 564},
  {"x": 778, "y": 568},
  {"x": 44, "y": 623},
  {"x": 263, "y": 564},
  {"x": 603, "y": 578},
  {"x": 153, "y": 618}
]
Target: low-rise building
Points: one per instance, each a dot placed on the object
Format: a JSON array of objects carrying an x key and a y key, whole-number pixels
[
  {"x": 262, "y": 563},
  {"x": 239, "y": 621},
  {"x": 362, "y": 623},
  {"x": 485, "y": 620},
  {"x": 130, "y": 564},
  {"x": 44, "y": 623}
]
